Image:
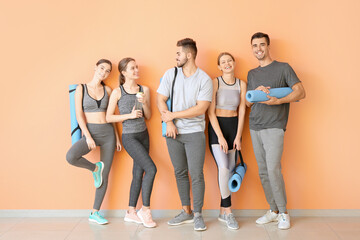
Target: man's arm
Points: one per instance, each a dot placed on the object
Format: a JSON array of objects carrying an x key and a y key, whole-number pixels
[
  {"x": 297, "y": 94},
  {"x": 199, "y": 109}
]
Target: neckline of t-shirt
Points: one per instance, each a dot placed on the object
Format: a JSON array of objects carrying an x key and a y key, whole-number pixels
[
  {"x": 191, "y": 75},
  {"x": 268, "y": 64}
]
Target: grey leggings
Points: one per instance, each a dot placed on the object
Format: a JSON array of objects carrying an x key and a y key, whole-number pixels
[
  {"x": 187, "y": 153},
  {"x": 104, "y": 136},
  {"x": 137, "y": 146}
]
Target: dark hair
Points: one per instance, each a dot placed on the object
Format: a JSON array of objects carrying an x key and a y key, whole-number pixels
[
  {"x": 261, "y": 35},
  {"x": 223, "y": 54},
  {"x": 188, "y": 43},
  {"x": 104, "y": 61},
  {"x": 122, "y": 67}
]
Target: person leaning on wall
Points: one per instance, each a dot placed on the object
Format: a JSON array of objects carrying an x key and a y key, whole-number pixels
[
  {"x": 91, "y": 102},
  {"x": 268, "y": 122},
  {"x": 133, "y": 101},
  {"x": 185, "y": 136},
  {"x": 226, "y": 115}
]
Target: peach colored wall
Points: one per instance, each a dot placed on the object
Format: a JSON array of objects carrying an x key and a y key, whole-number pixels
[{"x": 47, "y": 45}]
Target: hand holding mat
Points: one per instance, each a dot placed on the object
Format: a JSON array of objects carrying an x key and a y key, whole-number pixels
[{"x": 254, "y": 96}]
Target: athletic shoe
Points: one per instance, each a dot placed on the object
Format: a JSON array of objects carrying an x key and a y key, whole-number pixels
[
  {"x": 182, "y": 218},
  {"x": 284, "y": 221},
  {"x": 98, "y": 174},
  {"x": 222, "y": 217},
  {"x": 97, "y": 218},
  {"x": 132, "y": 217},
  {"x": 270, "y": 216},
  {"x": 199, "y": 224},
  {"x": 146, "y": 218},
  {"x": 231, "y": 222}
]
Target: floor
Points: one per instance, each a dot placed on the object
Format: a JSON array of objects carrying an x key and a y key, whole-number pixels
[{"x": 317, "y": 228}]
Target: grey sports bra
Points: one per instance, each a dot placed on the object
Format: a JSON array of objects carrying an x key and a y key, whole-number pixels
[
  {"x": 92, "y": 105},
  {"x": 228, "y": 96}
]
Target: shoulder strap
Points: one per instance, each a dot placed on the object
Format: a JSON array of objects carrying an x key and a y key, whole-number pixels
[
  {"x": 82, "y": 99},
  {"x": 172, "y": 89},
  {"x": 241, "y": 158}
]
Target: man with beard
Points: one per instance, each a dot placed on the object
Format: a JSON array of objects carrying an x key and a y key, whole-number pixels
[
  {"x": 268, "y": 124},
  {"x": 185, "y": 136}
]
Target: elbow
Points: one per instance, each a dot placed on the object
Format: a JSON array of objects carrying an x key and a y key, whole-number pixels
[{"x": 108, "y": 119}]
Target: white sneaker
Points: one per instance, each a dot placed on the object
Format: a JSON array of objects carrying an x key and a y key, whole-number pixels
[
  {"x": 270, "y": 216},
  {"x": 284, "y": 221}
]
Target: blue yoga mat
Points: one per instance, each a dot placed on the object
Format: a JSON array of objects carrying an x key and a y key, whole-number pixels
[
  {"x": 75, "y": 129},
  {"x": 236, "y": 179},
  {"x": 163, "y": 124},
  {"x": 259, "y": 96}
]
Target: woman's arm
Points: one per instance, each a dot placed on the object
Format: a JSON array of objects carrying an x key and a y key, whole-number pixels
[
  {"x": 80, "y": 117},
  {"x": 110, "y": 113},
  {"x": 213, "y": 119},
  {"x": 146, "y": 102},
  {"x": 118, "y": 142},
  {"x": 241, "y": 117}
]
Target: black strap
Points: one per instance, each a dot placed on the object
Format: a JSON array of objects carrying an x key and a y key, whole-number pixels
[
  {"x": 82, "y": 100},
  {"x": 172, "y": 90},
  {"x": 241, "y": 158},
  {"x": 75, "y": 129}
]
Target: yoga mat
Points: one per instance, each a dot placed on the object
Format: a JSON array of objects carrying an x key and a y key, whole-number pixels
[
  {"x": 259, "y": 96},
  {"x": 236, "y": 179},
  {"x": 75, "y": 129},
  {"x": 163, "y": 124}
]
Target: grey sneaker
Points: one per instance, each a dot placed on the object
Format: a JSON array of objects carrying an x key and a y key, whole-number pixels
[
  {"x": 199, "y": 224},
  {"x": 182, "y": 218},
  {"x": 222, "y": 217},
  {"x": 231, "y": 222}
]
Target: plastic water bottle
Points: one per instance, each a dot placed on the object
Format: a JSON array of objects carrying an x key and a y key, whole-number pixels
[{"x": 138, "y": 105}]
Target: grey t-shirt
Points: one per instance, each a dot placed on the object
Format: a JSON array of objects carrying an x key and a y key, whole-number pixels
[
  {"x": 274, "y": 75},
  {"x": 197, "y": 87}
]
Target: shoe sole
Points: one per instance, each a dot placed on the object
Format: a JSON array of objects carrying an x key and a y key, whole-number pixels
[
  {"x": 180, "y": 223},
  {"x": 101, "y": 177},
  {"x": 145, "y": 225},
  {"x": 222, "y": 220},
  {"x": 131, "y": 221},
  {"x": 266, "y": 222},
  {"x": 200, "y": 229},
  {"x": 92, "y": 220}
]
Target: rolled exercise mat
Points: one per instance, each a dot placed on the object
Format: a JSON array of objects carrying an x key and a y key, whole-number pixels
[
  {"x": 75, "y": 129},
  {"x": 259, "y": 96},
  {"x": 236, "y": 179},
  {"x": 163, "y": 124}
]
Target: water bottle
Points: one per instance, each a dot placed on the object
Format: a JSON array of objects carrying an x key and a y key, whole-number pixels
[{"x": 138, "y": 105}]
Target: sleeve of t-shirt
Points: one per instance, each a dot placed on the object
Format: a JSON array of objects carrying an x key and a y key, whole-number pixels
[
  {"x": 206, "y": 90},
  {"x": 290, "y": 76},
  {"x": 249, "y": 82},
  {"x": 165, "y": 84}
]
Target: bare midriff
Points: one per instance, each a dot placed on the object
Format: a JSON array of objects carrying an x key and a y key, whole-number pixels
[
  {"x": 95, "y": 117},
  {"x": 225, "y": 113}
]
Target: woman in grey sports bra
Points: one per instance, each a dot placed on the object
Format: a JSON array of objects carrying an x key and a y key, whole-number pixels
[
  {"x": 91, "y": 101},
  {"x": 135, "y": 137},
  {"x": 226, "y": 115}
]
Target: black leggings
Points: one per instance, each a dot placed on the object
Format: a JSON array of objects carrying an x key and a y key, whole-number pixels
[
  {"x": 224, "y": 162},
  {"x": 104, "y": 136},
  {"x": 137, "y": 146}
]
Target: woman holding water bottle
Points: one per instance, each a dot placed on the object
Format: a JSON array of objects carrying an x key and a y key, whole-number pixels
[{"x": 133, "y": 101}]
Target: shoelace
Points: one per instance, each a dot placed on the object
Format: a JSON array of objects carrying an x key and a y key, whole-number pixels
[{"x": 282, "y": 217}]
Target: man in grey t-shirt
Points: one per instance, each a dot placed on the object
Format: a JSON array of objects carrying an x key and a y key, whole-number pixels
[
  {"x": 185, "y": 136},
  {"x": 268, "y": 123}
]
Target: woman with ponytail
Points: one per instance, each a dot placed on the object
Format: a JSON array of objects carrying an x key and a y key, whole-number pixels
[{"x": 133, "y": 101}]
